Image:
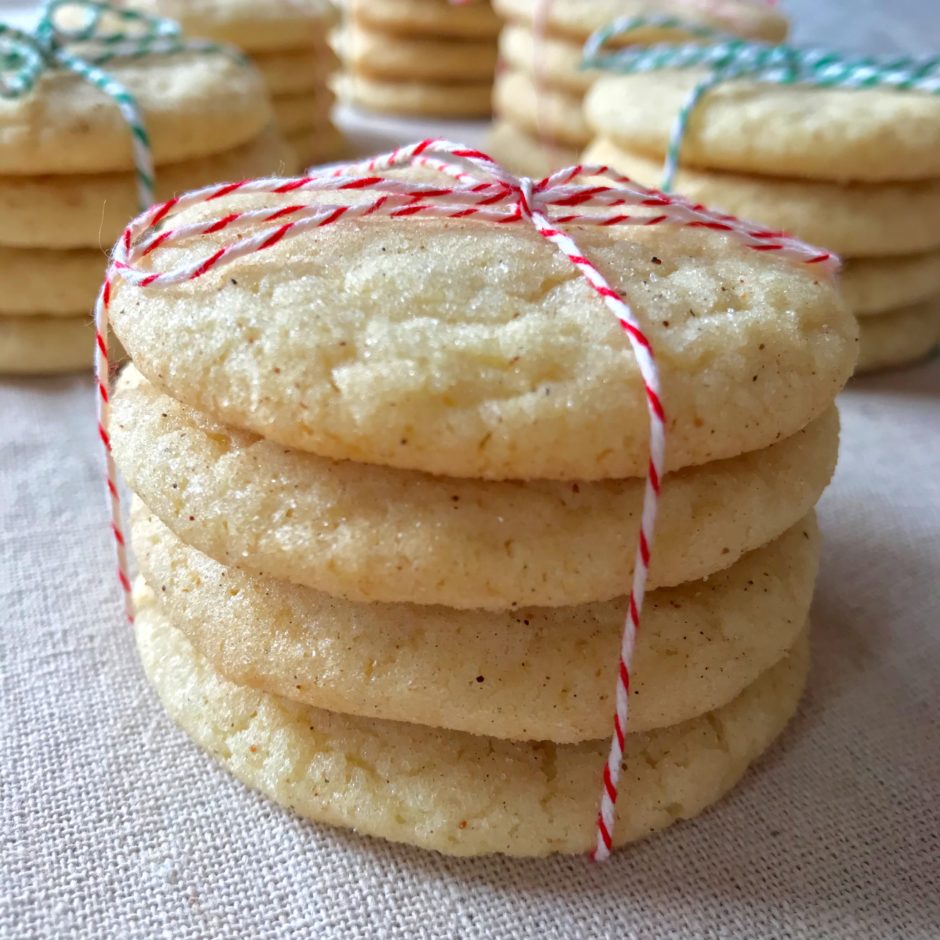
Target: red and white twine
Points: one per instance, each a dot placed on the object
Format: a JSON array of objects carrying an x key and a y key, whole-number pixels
[{"x": 477, "y": 188}]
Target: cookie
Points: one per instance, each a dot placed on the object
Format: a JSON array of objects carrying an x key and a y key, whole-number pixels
[
  {"x": 302, "y": 111},
  {"x": 556, "y": 60},
  {"x": 855, "y": 220},
  {"x": 45, "y": 345},
  {"x": 467, "y": 348},
  {"x": 417, "y": 59},
  {"x": 524, "y": 154},
  {"x": 274, "y": 25},
  {"x": 878, "y": 285},
  {"x": 91, "y": 210},
  {"x": 428, "y": 99},
  {"x": 290, "y": 72},
  {"x": 867, "y": 135},
  {"x": 579, "y": 18},
  {"x": 899, "y": 337},
  {"x": 50, "y": 283},
  {"x": 361, "y": 532},
  {"x": 316, "y": 145},
  {"x": 539, "y": 673},
  {"x": 434, "y": 18},
  {"x": 458, "y": 793},
  {"x": 193, "y": 104},
  {"x": 542, "y": 111}
]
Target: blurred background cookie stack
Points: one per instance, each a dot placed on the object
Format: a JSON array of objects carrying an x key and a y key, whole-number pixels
[
  {"x": 71, "y": 179},
  {"x": 422, "y": 58},
  {"x": 390, "y": 484},
  {"x": 854, "y": 168},
  {"x": 288, "y": 42},
  {"x": 540, "y": 126}
]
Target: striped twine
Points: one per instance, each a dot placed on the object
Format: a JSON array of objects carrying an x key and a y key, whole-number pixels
[
  {"x": 727, "y": 59},
  {"x": 473, "y": 187},
  {"x": 84, "y": 49}
]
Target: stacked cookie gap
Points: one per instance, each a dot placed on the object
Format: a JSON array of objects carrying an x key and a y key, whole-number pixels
[
  {"x": 538, "y": 98},
  {"x": 69, "y": 185},
  {"x": 428, "y": 58},
  {"x": 287, "y": 40},
  {"x": 817, "y": 165},
  {"x": 389, "y": 590}
]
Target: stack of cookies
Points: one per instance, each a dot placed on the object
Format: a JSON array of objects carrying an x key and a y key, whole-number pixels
[
  {"x": 389, "y": 478},
  {"x": 287, "y": 41},
  {"x": 855, "y": 170},
  {"x": 429, "y": 58},
  {"x": 69, "y": 184},
  {"x": 540, "y": 125}
]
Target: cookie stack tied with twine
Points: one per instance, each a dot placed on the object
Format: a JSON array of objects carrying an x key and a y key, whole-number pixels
[
  {"x": 538, "y": 98},
  {"x": 844, "y": 152},
  {"x": 287, "y": 41},
  {"x": 95, "y": 118},
  {"x": 426, "y": 58},
  {"x": 399, "y": 447}
]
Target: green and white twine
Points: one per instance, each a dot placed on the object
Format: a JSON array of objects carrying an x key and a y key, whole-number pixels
[
  {"x": 84, "y": 49},
  {"x": 728, "y": 58}
]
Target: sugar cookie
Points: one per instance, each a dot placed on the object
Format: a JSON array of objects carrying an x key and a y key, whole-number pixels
[
  {"x": 45, "y": 345},
  {"x": 898, "y": 337},
  {"x": 437, "y": 18},
  {"x": 416, "y": 59},
  {"x": 50, "y": 283},
  {"x": 546, "y": 111},
  {"x": 855, "y": 220},
  {"x": 472, "y": 349},
  {"x": 459, "y": 793},
  {"x": 274, "y": 25},
  {"x": 879, "y": 285},
  {"x": 556, "y": 60},
  {"x": 361, "y": 532},
  {"x": 90, "y": 210},
  {"x": 539, "y": 673},
  {"x": 579, "y": 18},
  {"x": 465, "y": 99},
  {"x": 292, "y": 71},
  {"x": 193, "y": 104},
  {"x": 837, "y": 134}
]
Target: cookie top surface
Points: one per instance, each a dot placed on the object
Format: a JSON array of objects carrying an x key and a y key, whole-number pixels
[
  {"x": 194, "y": 104},
  {"x": 580, "y": 18},
  {"x": 361, "y": 531},
  {"x": 273, "y": 25},
  {"x": 840, "y": 134},
  {"x": 539, "y": 673},
  {"x": 468, "y": 348}
]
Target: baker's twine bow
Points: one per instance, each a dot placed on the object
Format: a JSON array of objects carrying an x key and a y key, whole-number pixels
[
  {"x": 102, "y": 32},
  {"x": 473, "y": 187},
  {"x": 727, "y": 58}
]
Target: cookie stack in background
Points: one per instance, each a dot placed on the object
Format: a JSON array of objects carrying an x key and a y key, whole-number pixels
[
  {"x": 540, "y": 126},
  {"x": 855, "y": 170},
  {"x": 389, "y": 481},
  {"x": 68, "y": 184},
  {"x": 288, "y": 42},
  {"x": 427, "y": 58}
]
